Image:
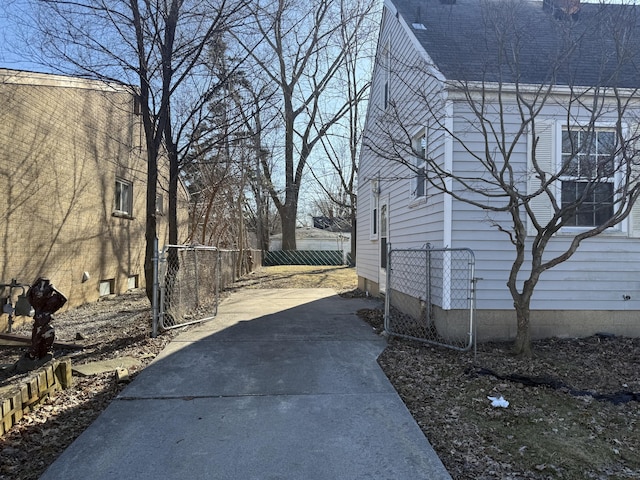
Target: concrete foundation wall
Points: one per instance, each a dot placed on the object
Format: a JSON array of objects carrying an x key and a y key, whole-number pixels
[
  {"x": 369, "y": 286},
  {"x": 496, "y": 325},
  {"x": 501, "y": 324}
]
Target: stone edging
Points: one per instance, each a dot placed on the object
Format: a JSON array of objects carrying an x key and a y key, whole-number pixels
[{"x": 16, "y": 399}]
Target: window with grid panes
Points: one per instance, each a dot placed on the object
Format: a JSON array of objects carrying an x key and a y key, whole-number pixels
[{"x": 588, "y": 176}]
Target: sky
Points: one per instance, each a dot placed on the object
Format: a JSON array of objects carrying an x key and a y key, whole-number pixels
[{"x": 13, "y": 53}]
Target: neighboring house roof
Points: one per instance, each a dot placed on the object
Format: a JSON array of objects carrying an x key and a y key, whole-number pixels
[
  {"x": 312, "y": 233},
  {"x": 466, "y": 41},
  {"x": 332, "y": 224}
]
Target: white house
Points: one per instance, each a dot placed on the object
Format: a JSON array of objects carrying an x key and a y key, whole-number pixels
[
  {"x": 311, "y": 238},
  {"x": 470, "y": 96}
]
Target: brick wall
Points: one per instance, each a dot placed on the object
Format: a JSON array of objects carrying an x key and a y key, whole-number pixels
[{"x": 64, "y": 142}]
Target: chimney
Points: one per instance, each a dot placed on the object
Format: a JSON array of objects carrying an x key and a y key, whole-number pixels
[{"x": 562, "y": 8}]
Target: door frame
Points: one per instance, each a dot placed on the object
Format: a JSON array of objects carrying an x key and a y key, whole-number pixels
[{"x": 383, "y": 249}]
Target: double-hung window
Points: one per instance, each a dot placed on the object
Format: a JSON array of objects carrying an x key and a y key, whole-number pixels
[
  {"x": 588, "y": 176},
  {"x": 419, "y": 167},
  {"x": 123, "y": 204}
]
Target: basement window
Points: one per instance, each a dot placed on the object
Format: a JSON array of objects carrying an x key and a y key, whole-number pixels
[
  {"x": 107, "y": 287},
  {"x": 132, "y": 282},
  {"x": 159, "y": 204}
]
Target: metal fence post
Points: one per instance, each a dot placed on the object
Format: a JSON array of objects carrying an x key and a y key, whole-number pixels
[
  {"x": 154, "y": 295},
  {"x": 428, "y": 284},
  {"x": 387, "y": 293},
  {"x": 217, "y": 280},
  {"x": 197, "y": 276}
]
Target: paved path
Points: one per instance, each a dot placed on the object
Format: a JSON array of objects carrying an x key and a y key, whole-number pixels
[{"x": 282, "y": 384}]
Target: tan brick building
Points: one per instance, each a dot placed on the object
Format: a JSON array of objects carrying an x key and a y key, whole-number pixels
[{"x": 73, "y": 185}]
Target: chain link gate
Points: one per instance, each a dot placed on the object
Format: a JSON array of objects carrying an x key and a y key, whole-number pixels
[
  {"x": 189, "y": 285},
  {"x": 430, "y": 296}
]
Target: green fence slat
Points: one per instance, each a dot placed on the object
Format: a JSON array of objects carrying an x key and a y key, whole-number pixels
[{"x": 303, "y": 257}]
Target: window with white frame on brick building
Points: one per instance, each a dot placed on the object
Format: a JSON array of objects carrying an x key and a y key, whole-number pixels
[{"x": 123, "y": 198}]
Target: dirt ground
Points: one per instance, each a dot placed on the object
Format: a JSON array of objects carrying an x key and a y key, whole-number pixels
[
  {"x": 566, "y": 417},
  {"x": 573, "y": 409}
]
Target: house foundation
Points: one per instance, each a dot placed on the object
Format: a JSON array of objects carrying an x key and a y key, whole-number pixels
[{"x": 500, "y": 325}]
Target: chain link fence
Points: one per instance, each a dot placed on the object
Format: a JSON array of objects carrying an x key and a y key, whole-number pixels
[
  {"x": 430, "y": 296},
  {"x": 189, "y": 280},
  {"x": 189, "y": 284},
  {"x": 306, "y": 257}
]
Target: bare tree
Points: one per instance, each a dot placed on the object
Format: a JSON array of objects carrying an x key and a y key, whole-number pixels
[
  {"x": 249, "y": 98},
  {"x": 257, "y": 130},
  {"x": 159, "y": 48},
  {"x": 300, "y": 47},
  {"x": 501, "y": 119},
  {"x": 341, "y": 145},
  {"x": 229, "y": 149}
]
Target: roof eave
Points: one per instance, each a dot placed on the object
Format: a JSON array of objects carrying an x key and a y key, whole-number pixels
[{"x": 458, "y": 87}]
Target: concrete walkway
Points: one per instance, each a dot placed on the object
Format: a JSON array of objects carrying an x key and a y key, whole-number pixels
[{"x": 282, "y": 384}]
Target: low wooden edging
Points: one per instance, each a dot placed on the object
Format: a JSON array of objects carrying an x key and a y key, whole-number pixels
[{"x": 32, "y": 389}]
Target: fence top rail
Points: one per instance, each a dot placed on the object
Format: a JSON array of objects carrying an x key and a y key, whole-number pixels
[
  {"x": 422, "y": 249},
  {"x": 204, "y": 247},
  {"x": 191, "y": 247}
]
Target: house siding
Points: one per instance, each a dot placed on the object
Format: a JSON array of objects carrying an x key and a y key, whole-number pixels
[
  {"x": 603, "y": 270},
  {"x": 64, "y": 143},
  {"x": 411, "y": 222},
  {"x": 471, "y": 227},
  {"x": 596, "y": 290}
]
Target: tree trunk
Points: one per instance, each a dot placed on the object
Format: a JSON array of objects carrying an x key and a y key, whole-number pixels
[
  {"x": 353, "y": 237},
  {"x": 150, "y": 222},
  {"x": 150, "y": 234},
  {"x": 263, "y": 243},
  {"x": 522, "y": 344},
  {"x": 288, "y": 217},
  {"x": 174, "y": 171}
]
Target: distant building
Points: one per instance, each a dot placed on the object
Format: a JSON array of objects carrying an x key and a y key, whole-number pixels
[
  {"x": 333, "y": 224},
  {"x": 311, "y": 238}
]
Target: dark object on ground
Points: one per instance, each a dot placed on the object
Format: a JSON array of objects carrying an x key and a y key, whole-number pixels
[
  {"x": 45, "y": 300},
  {"x": 616, "y": 398}
]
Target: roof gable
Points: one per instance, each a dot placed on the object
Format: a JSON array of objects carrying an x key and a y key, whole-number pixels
[{"x": 519, "y": 41}]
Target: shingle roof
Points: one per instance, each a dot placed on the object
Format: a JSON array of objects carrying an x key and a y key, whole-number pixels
[
  {"x": 332, "y": 224},
  {"x": 509, "y": 40}
]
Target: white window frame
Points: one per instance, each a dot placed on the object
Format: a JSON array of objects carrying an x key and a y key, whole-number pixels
[
  {"x": 159, "y": 204},
  {"x": 123, "y": 198},
  {"x": 614, "y": 180},
  {"x": 132, "y": 282},
  {"x": 418, "y": 184},
  {"x": 375, "y": 208},
  {"x": 107, "y": 287}
]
